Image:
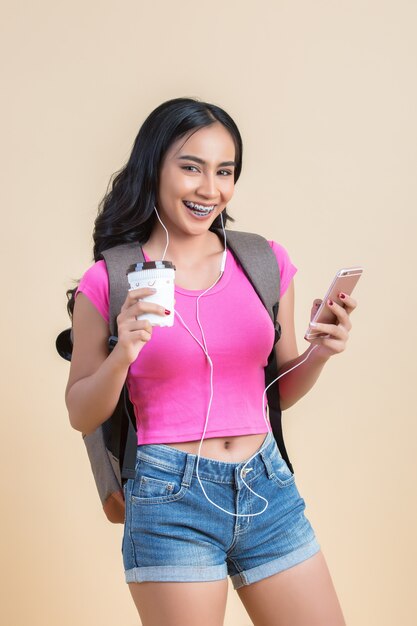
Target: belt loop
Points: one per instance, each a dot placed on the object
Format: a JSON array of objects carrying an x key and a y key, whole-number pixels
[
  {"x": 265, "y": 457},
  {"x": 188, "y": 472}
]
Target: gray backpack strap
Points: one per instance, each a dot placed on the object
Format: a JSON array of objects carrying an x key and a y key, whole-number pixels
[
  {"x": 117, "y": 261},
  {"x": 259, "y": 263},
  {"x": 116, "y": 438}
]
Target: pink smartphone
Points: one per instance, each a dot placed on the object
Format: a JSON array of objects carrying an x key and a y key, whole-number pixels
[{"x": 344, "y": 281}]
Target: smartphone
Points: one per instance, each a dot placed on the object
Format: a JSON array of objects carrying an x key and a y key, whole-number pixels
[{"x": 344, "y": 281}]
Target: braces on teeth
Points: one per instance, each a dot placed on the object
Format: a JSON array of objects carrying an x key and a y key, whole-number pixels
[{"x": 199, "y": 207}]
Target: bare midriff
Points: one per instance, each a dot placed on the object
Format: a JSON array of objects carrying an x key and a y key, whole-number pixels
[{"x": 229, "y": 449}]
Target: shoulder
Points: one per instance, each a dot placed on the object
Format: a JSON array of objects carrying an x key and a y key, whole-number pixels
[
  {"x": 95, "y": 277},
  {"x": 95, "y": 273},
  {"x": 280, "y": 252},
  {"x": 287, "y": 268},
  {"x": 94, "y": 284}
]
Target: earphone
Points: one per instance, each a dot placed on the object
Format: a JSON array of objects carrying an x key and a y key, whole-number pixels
[{"x": 205, "y": 350}]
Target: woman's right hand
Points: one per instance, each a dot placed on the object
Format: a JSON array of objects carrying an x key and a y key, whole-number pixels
[{"x": 133, "y": 334}]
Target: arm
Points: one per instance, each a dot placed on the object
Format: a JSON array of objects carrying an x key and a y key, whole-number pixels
[
  {"x": 97, "y": 377},
  {"x": 297, "y": 383}
]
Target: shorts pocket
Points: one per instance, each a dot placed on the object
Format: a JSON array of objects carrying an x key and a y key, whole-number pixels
[
  {"x": 156, "y": 484},
  {"x": 281, "y": 473}
]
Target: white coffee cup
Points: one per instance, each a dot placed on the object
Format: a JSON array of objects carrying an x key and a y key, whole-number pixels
[{"x": 159, "y": 275}]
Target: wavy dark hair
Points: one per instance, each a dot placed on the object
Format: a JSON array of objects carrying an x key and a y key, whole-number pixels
[{"x": 126, "y": 213}]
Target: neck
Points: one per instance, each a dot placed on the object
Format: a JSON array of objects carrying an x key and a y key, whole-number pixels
[{"x": 182, "y": 247}]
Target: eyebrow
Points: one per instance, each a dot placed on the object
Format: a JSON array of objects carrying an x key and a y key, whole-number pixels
[{"x": 189, "y": 157}]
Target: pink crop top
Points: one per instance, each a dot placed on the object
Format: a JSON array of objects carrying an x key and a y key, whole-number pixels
[{"x": 169, "y": 383}]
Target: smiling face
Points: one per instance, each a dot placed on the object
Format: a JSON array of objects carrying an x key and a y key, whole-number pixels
[{"x": 196, "y": 180}]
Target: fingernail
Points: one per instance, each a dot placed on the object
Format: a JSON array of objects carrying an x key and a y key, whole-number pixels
[
  {"x": 167, "y": 312},
  {"x": 342, "y": 295},
  {"x": 330, "y": 302}
]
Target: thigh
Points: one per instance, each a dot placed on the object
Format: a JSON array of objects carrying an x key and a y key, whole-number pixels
[
  {"x": 302, "y": 595},
  {"x": 180, "y": 604}
]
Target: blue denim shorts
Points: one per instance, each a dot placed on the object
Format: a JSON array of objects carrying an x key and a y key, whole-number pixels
[{"x": 173, "y": 533}]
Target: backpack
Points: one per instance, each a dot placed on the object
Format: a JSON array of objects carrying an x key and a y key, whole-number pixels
[{"x": 112, "y": 447}]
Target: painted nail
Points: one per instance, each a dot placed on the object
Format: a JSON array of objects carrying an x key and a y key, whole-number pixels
[
  {"x": 342, "y": 295},
  {"x": 167, "y": 312},
  {"x": 330, "y": 302}
]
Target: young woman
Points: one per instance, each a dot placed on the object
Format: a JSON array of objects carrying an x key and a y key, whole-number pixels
[{"x": 196, "y": 514}]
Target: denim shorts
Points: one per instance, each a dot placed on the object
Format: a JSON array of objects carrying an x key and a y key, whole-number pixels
[{"x": 173, "y": 533}]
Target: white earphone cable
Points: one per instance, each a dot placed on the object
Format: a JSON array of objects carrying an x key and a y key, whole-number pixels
[
  {"x": 163, "y": 226},
  {"x": 205, "y": 350}
]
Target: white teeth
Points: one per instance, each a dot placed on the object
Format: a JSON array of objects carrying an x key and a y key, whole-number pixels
[{"x": 199, "y": 207}]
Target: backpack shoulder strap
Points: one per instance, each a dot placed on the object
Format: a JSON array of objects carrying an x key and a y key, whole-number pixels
[
  {"x": 259, "y": 263},
  {"x": 117, "y": 261},
  {"x": 120, "y": 430}
]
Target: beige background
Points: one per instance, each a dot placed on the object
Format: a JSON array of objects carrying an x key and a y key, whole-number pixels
[{"x": 325, "y": 96}]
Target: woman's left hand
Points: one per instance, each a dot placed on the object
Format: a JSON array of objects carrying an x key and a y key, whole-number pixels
[{"x": 337, "y": 334}]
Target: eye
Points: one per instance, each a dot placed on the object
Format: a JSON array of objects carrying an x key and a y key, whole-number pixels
[
  {"x": 189, "y": 168},
  {"x": 226, "y": 172}
]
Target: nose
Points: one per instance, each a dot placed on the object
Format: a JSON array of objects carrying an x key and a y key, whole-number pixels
[{"x": 207, "y": 187}]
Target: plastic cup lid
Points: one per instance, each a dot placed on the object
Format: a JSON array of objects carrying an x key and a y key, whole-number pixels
[{"x": 151, "y": 265}]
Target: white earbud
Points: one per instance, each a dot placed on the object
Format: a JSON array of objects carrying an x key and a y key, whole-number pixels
[{"x": 223, "y": 263}]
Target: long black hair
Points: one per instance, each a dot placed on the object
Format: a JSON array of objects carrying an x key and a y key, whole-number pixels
[{"x": 126, "y": 213}]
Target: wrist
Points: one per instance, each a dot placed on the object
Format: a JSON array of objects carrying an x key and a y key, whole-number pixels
[
  {"x": 320, "y": 354},
  {"x": 118, "y": 360}
]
